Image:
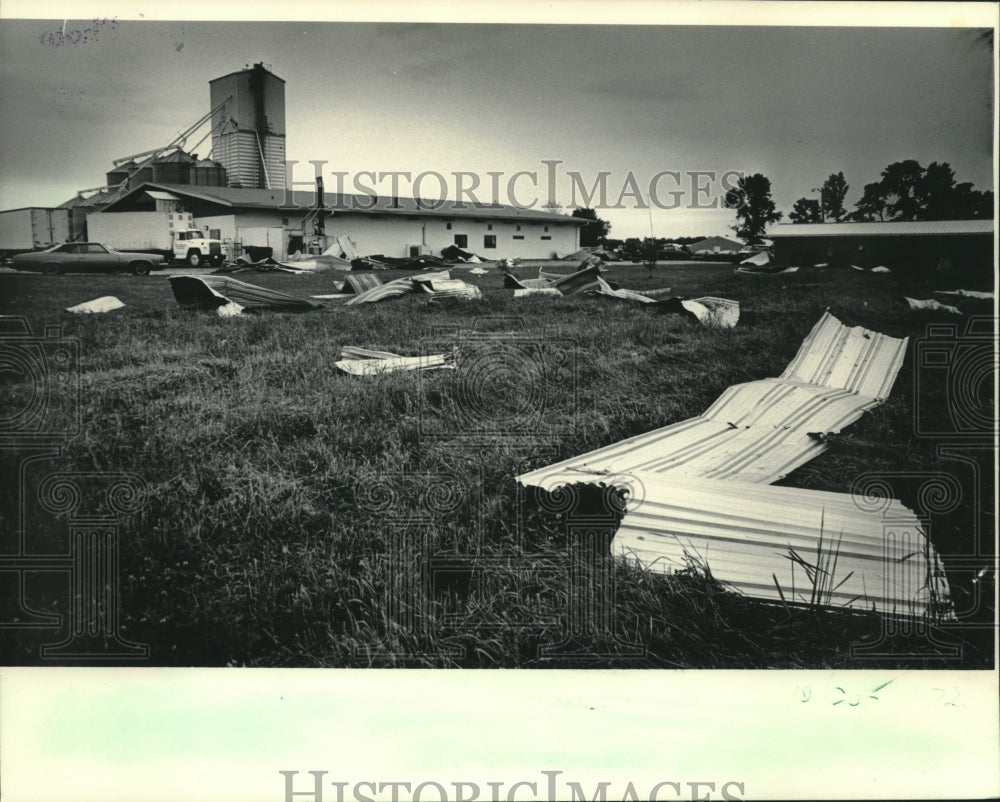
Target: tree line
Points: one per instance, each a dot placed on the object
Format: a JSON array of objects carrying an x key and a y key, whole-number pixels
[{"x": 905, "y": 191}]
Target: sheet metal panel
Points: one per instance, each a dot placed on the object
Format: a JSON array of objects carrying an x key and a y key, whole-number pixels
[
  {"x": 760, "y": 431},
  {"x": 871, "y": 556}
]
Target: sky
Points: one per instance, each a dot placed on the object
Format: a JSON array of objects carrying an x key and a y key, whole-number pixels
[{"x": 794, "y": 103}]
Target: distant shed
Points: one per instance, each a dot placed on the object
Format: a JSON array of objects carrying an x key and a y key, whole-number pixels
[
  {"x": 719, "y": 245},
  {"x": 917, "y": 245}
]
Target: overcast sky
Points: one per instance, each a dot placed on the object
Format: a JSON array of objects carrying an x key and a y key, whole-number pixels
[{"x": 793, "y": 103}]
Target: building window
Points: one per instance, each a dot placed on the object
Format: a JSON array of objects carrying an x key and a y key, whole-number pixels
[
  {"x": 448, "y": 226},
  {"x": 518, "y": 228},
  {"x": 284, "y": 221},
  {"x": 519, "y": 236},
  {"x": 462, "y": 240},
  {"x": 544, "y": 237},
  {"x": 546, "y": 229},
  {"x": 489, "y": 226},
  {"x": 489, "y": 240}
]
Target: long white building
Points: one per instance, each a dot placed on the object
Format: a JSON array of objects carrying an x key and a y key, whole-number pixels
[{"x": 289, "y": 221}]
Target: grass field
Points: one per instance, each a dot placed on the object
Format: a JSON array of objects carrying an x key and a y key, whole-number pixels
[{"x": 277, "y": 487}]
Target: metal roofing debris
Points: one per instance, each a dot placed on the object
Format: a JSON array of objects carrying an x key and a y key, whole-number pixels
[
  {"x": 524, "y": 291},
  {"x": 358, "y": 283},
  {"x": 781, "y": 544},
  {"x": 455, "y": 254},
  {"x": 758, "y": 259},
  {"x": 892, "y": 228},
  {"x": 364, "y": 362},
  {"x": 983, "y": 296},
  {"x": 213, "y": 292},
  {"x": 310, "y": 263},
  {"x": 714, "y": 312},
  {"x": 348, "y": 248},
  {"x": 697, "y": 494},
  {"x": 932, "y": 305},
  {"x": 878, "y": 269},
  {"x": 437, "y": 285},
  {"x": 447, "y": 288},
  {"x": 765, "y": 270},
  {"x": 106, "y": 303},
  {"x": 758, "y": 431}
]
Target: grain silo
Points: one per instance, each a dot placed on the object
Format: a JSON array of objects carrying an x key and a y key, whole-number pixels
[{"x": 248, "y": 127}]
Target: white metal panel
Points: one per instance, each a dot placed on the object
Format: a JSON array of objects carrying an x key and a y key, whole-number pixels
[
  {"x": 760, "y": 431},
  {"x": 874, "y": 558}
]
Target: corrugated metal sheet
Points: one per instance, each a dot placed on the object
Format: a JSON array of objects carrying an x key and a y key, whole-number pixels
[
  {"x": 697, "y": 491},
  {"x": 759, "y": 431},
  {"x": 869, "y": 558},
  {"x": 698, "y": 495},
  {"x": 896, "y": 228},
  {"x": 211, "y": 292}
]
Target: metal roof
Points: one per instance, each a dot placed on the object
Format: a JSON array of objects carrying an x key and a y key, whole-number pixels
[
  {"x": 246, "y": 197},
  {"x": 892, "y": 228},
  {"x": 875, "y": 556},
  {"x": 760, "y": 431},
  {"x": 698, "y": 494}
]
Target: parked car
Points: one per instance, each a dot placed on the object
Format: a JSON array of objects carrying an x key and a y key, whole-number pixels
[{"x": 87, "y": 257}]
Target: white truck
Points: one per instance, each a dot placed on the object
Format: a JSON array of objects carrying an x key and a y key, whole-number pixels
[
  {"x": 32, "y": 229},
  {"x": 172, "y": 234}
]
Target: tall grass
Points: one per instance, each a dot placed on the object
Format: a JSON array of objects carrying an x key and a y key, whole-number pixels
[{"x": 279, "y": 490}]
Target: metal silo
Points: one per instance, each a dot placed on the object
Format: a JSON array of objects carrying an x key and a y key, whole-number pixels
[{"x": 248, "y": 127}]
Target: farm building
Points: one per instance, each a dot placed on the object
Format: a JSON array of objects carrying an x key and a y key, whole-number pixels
[
  {"x": 720, "y": 245},
  {"x": 290, "y": 221},
  {"x": 966, "y": 245}
]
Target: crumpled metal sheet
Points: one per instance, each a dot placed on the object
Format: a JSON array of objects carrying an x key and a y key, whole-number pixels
[
  {"x": 932, "y": 305},
  {"x": 714, "y": 312},
  {"x": 977, "y": 294},
  {"x": 365, "y": 362},
  {"x": 448, "y": 288},
  {"x": 697, "y": 491},
  {"x": 212, "y": 292},
  {"x": 106, "y": 303},
  {"x": 758, "y": 259},
  {"x": 759, "y": 431},
  {"x": 393, "y": 289},
  {"x": 767, "y": 542}
]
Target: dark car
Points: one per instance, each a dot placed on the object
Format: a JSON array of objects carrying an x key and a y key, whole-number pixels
[{"x": 87, "y": 257}]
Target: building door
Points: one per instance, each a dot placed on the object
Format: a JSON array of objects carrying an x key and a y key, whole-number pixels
[
  {"x": 462, "y": 240},
  {"x": 272, "y": 237}
]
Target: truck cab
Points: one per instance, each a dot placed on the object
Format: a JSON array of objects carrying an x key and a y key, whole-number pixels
[{"x": 193, "y": 247}]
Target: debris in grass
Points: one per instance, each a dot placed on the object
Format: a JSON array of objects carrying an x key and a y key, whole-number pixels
[
  {"x": 694, "y": 489},
  {"x": 213, "y": 292},
  {"x": 981, "y": 296},
  {"x": 778, "y": 544},
  {"x": 365, "y": 362},
  {"x": 757, "y": 432},
  {"x": 106, "y": 303},
  {"x": 932, "y": 305}
]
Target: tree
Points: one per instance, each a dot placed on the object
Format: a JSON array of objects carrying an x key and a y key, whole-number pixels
[
  {"x": 754, "y": 206},
  {"x": 872, "y": 205},
  {"x": 806, "y": 210},
  {"x": 907, "y": 191},
  {"x": 594, "y": 231},
  {"x": 632, "y": 249},
  {"x": 832, "y": 195},
  {"x": 901, "y": 185}
]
